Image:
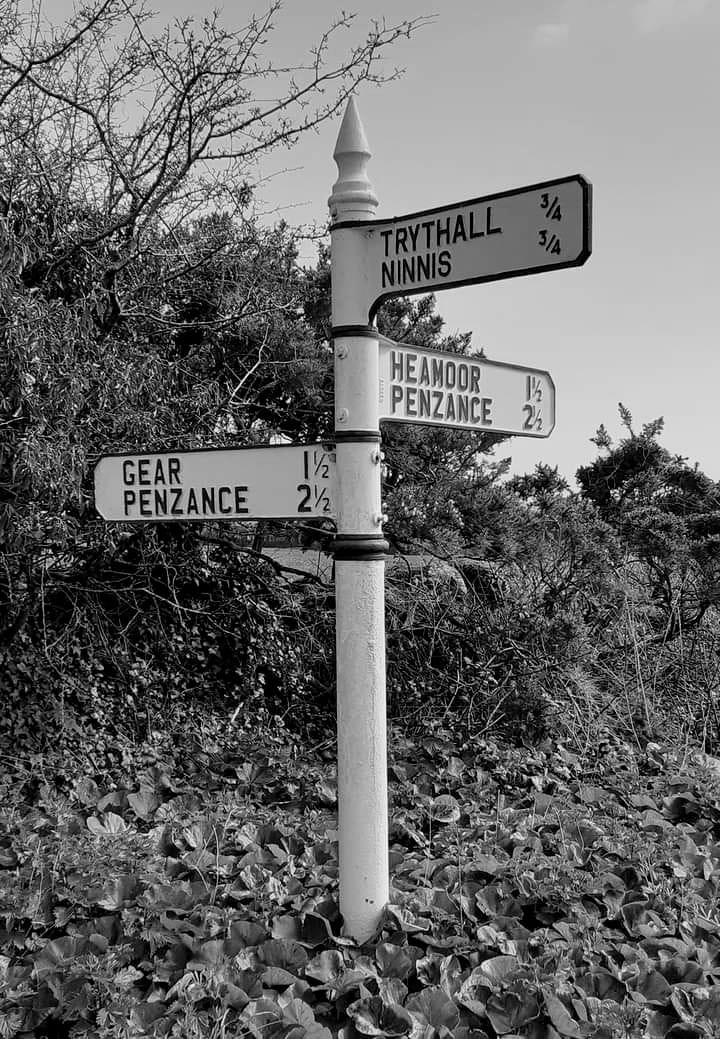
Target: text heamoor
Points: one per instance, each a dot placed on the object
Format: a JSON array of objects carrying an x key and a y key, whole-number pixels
[
  {"x": 423, "y": 250},
  {"x": 439, "y": 389}
]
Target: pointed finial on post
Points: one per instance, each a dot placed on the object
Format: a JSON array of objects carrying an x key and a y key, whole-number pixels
[{"x": 352, "y": 197}]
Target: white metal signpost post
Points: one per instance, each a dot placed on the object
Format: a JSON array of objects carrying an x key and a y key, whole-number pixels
[
  {"x": 359, "y": 560},
  {"x": 526, "y": 231}
]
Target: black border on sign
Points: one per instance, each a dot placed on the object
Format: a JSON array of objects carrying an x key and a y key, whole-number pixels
[
  {"x": 196, "y": 450},
  {"x": 391, "y": 343},
  {"x": 580, "y": 259},
  {"x": 326, "y": 444}
]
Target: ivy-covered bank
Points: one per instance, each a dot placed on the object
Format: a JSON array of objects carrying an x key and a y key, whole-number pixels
[{"x": 535, "y": 892}]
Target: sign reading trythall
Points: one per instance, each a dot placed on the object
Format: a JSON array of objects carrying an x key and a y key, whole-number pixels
[
  {"x": 284, "y": 481},
  {"x": 444, "y": 389},
  {"x": 523, "y": 231}
]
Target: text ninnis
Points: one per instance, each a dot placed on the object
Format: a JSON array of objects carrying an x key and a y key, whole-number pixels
[{"x": 421, "y": 250}]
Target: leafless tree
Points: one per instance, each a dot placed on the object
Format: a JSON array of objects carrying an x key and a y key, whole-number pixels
[{"x": 129, "y": 127}]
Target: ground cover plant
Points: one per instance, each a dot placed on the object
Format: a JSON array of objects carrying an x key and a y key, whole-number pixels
[{"x": 193, "y": 892}]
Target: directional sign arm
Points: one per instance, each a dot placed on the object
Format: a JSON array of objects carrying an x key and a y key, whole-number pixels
[
  {"x": 545, "y": 226},
  {"x": 436, "y": 388},
  {"x": 286, "y": 481}
]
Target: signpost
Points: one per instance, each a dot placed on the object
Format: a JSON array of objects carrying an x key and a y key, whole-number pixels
[
  {"x": 444, "y": 389},
  {"x": 524, "y": 231},
  {"x": 284, "y": 481}
]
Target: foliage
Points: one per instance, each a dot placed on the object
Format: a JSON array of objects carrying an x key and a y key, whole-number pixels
[
  {"x": 194, "y": 892},
  {"x": 144, "y": 306},
  {"x": 147, "y": 634},
  {"x": 668, "y": 515}
]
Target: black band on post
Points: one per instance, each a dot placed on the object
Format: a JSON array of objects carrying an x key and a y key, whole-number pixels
[
  {"x": 358, "y": 436},
  {"x": 368, "y": 331},
  {"x": 360, "y": 546}
]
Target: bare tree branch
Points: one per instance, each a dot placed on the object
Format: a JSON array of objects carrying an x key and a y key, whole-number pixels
[{"x": 199, "y": 91}]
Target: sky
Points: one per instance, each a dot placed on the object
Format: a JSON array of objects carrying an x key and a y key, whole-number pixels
[{"x": 498, "y": 94}]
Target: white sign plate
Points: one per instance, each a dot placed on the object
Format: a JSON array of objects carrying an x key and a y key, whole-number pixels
[
  {"x": 284, "y": 481},
  {"x": 443, "y": 389},
  {"x": 524, "y": 231}
]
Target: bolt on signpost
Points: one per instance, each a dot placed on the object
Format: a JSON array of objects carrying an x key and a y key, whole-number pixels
[{"x": 524, "y": 231}]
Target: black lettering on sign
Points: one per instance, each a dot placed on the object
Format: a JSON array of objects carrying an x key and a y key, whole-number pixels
[
  {"x": 400, "y": 240},
  {"x": 450, "y": 407},
  {"x": 459, "y": 232},
  {"x": 426, "y": 266},
  {"x": 161, "y": 502},
  {"x": 424, "y": 403},
  {"x": 463, "y": 408},
  {"x": 442, "y": 232},
  {"x": 240, "y": 499},
  {"x": 388, "y": 274},
  {"x": 192, "y": 504},
  {"x": 414, "y": 237},
  {"x": 437, "y": 396},
  {"x": 128, "y": 473},
  {"x": 424, "y": 378},
  {"x": 410, "y": 362},
  {"x": 444, "y": 263},
  {"x": 406, "y": 272},
  {"x": 175, "y": 509},
  {"x": 489, "y": 229},
  {"x": 304, "y": 489},
  {"x": 473, "y": 232},
  {"x": 173, "y": 470},
  {"x": 462, "y": 377},
  {"x": 474, "y": 379},
  {"x": 128, "y": 501},
  {"x": 224, "y": 492},
  {"x": 143, "y": 474},
  {"x": 207, "y": 495},
  {"x": 385, "y": 235},
  {"x": 410, "y": 408},
  {"x": 145, "y": 507},
  {"x": 450, "y": 374},
  {"x": 486, "y": 405},
  {"x": 396, "y": 396},
  {"x": 396, "y": 365}
]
